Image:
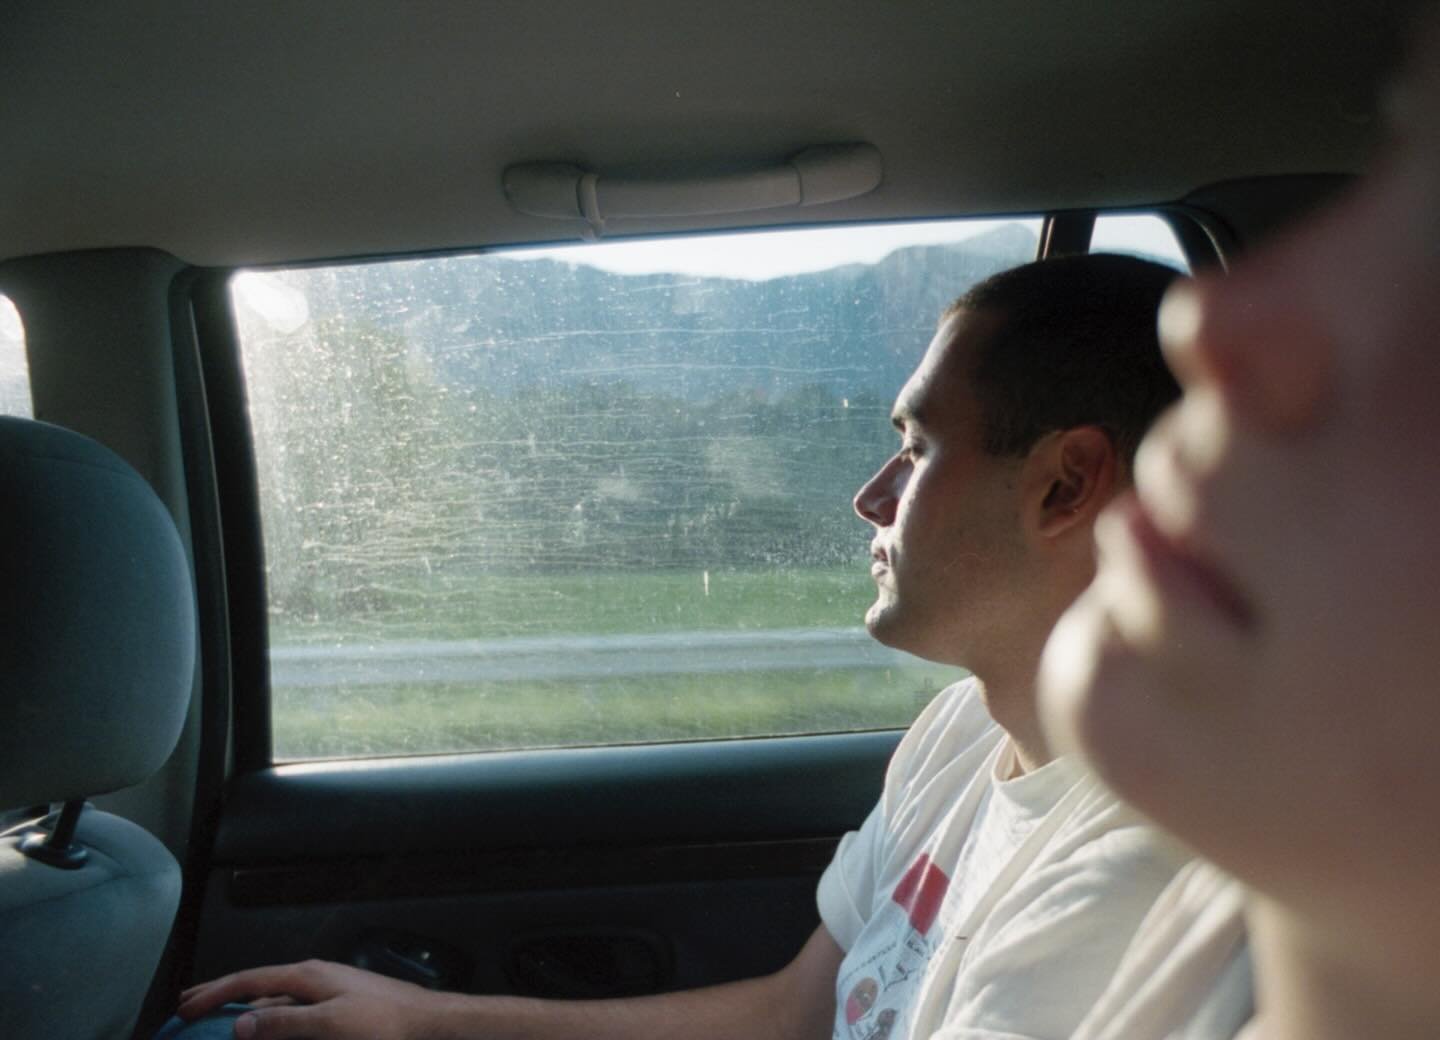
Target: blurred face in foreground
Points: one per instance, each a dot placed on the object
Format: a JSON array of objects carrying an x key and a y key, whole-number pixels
[{"x": 1257, "y": 664}]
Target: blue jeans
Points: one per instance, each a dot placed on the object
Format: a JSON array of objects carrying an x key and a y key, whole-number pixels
[{"x": 218, "y": 1025}]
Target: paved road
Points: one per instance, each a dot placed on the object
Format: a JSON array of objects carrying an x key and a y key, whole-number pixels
[{"x": 579, "y": 657}]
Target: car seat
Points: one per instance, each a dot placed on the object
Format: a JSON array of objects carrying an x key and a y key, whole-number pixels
[{"x": 97, "y": 652}]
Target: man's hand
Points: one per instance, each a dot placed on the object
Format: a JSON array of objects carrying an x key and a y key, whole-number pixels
[{"x": 328, "y": 1002}]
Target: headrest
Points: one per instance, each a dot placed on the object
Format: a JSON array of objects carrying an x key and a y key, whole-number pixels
[{"x": 97, "y": 620}]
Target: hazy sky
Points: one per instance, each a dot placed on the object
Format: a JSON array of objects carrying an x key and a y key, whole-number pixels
[
  {"x": 759, "y": 255},
  {"x": 753, "y": 256}
]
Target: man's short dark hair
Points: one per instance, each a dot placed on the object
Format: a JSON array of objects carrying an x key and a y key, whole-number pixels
[{"x": 1077, "y": 345}]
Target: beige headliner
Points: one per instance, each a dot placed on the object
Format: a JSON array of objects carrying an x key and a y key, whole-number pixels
[{"x": 248, "y": 132}]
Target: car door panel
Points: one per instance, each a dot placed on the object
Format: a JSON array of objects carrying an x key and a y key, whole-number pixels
[{"x": 580, "y": 872}]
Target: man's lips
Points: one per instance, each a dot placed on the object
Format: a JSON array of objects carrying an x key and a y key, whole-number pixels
[
  {"x": 879, "y": 560},
  {"x": 1169, "y": 562}
]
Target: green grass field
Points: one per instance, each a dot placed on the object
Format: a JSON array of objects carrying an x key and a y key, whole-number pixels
[
  {"x": 436, "y": 718},
  {"x": 597, "y": 603},
  {"x": 427, "y": 718}
]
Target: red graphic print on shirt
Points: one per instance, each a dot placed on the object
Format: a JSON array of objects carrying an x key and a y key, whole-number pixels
[
  {"x": 878, "y": 991},
  {"x": 921, "y": 892},
  {"x": 884, "y": 1022},
  {"x": 861, "y": 1000}
]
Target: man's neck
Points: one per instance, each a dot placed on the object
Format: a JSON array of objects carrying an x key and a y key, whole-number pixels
[{"x": 1012, "y": 706}]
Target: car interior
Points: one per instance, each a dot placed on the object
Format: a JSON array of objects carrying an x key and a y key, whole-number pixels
[{"x": 430, "y": 432}]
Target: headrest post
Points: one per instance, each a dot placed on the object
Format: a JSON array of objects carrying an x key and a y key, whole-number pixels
[{"x": 58, "y": 848}]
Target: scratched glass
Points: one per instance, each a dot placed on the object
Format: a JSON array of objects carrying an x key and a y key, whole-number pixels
[{"x": 590, "y": 495}]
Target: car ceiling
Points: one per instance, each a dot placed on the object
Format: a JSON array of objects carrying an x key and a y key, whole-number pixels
[{"x": 255, "y": 132}]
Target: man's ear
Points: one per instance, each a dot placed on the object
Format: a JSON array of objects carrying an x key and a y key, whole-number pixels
[{"x": 1076, "y": 472}]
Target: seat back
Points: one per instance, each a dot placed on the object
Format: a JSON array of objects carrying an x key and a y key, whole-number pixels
[{"x": 97, "y": 650}]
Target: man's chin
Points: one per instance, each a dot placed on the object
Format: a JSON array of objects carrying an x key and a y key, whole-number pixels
[
  {"x": 888, "y": 626},
  {"x": 885, "y": 626}
]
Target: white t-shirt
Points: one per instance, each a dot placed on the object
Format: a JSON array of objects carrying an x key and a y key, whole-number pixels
[
  {"x": 973, "y": 907},
  {"x": 1187, "y": 973}
]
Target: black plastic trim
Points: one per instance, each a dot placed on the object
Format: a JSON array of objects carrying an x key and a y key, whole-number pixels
[
  {"x": 208, "y": 552},
  {"x": 428, "y": 876},
  {"x": 1201, "y": 247},
  {"x": 239, "y": 498},
  {"x": 1239, "y": 213},
  {"x": 777, "y": 789},
  {"x": 1067, "y": 234}
]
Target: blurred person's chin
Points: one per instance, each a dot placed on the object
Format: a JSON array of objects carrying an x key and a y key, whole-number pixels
[
  {"x": 1090, "y": 679},
  {"x": 1134, "y": 676}
]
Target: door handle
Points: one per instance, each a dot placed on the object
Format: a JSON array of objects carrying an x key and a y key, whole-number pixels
[{"x": 411, "y": 958}]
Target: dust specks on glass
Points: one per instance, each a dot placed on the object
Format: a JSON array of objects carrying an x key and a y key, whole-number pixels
[{"x": 592, "y": 494}]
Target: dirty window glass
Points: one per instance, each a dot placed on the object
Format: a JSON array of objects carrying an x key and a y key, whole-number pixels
[
  {"x": 14, "y": 371},
  {"x": 590, "y": 495}
]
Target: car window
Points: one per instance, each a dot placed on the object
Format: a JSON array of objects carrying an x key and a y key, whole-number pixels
[
  {"x": 588, "y": 495},
  {"x": 14, "y": 371},
  {"x": 1146, "y": 235}
]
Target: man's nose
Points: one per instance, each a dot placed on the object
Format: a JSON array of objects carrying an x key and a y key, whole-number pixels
[{"x": 875, "y": 502}]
